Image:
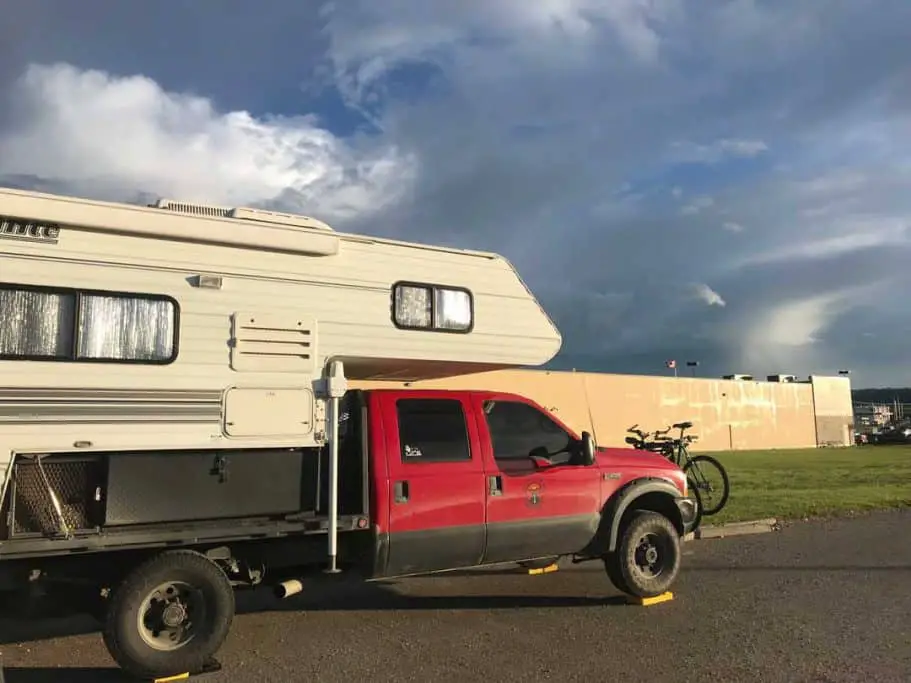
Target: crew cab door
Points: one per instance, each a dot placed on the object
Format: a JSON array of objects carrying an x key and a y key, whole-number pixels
[
  {"x": 436, "y": 482},
  {"x": 533, "y": 511}
]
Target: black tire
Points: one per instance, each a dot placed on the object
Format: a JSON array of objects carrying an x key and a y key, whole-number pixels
[
  {"x": 625, "y": 566},
  {"x": 130, "y": 642},
  {"x": 612, "y": 567},
  {"x": 696, "y": 469}
]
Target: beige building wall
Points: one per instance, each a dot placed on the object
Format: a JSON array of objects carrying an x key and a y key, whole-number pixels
[
  {"x": 834, "y": 410},
  {"x": 726, "y": 414}
]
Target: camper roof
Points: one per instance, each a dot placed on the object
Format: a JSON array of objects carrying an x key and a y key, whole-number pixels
[{"x": 208, "y": 224}]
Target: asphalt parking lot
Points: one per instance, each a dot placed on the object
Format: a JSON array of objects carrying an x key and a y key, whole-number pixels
[{"x": 822, "y": 601}]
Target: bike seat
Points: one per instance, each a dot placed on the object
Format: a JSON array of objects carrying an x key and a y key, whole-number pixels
[
  {"x": 632, "y": 440},
  {"x": 683, "y": 425}
]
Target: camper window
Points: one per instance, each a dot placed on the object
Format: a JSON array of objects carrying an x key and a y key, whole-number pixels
[
  {"x": 69, "y": 325},
  {"x": 420, "y": 306}
]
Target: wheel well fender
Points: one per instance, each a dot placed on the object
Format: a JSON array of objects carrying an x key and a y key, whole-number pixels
[{"x": 651, "y": 493}]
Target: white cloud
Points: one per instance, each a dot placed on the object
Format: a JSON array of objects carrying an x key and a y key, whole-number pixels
[
  {"x": 697, "y": 206},
  {"x": 717, "y": 151},
  {"x": 818, "y": 242},
  {"x": 787, "y": 334},
  {"x": 835, "y": 182},
  {"x": 793, "y": 323},
  {"x": 368, "y": 42},
  {"x": 709, "y": 295},
  {"x": 733, "y": 226},
  {"x": 110, "y": 136}
]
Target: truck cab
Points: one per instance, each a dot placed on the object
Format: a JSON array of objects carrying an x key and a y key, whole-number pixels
[{"x": 470, "y": 478}]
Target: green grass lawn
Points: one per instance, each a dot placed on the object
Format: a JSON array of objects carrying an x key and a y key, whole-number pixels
[{"x": 792, "y": 484}]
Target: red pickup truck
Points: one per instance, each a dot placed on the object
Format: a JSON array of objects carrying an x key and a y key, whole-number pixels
[{"x": 428, "y": 481}]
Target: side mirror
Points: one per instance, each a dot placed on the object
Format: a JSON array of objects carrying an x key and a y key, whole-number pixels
[{"x": 588, "y": 449}]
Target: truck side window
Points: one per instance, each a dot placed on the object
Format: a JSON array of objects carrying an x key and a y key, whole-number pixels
[
  {"x": 516, "y": 429},
  {"x": 432, "y": 430}
]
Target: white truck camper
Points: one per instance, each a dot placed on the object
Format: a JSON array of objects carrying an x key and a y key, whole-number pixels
[{"x": 171, "y": 377}]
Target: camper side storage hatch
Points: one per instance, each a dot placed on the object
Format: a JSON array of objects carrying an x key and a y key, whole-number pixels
[{"x": 158, "y": 487}]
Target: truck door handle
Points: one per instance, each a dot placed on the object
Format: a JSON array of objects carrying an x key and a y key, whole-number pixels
[
  {"x": 495, "y": 484},
  {"x": 401, "y": 492}
]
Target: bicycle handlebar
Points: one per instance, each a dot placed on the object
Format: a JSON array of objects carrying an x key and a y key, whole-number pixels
[
  {"x": 638, "y": 432},
  {"x": 659, "y": 437}
]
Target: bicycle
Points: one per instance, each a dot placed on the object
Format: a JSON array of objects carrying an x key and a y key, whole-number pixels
[
  {"x": 664, "y": 448},
  {"x": 676, "y": 450},
  {"x": 696, "y": 464}
]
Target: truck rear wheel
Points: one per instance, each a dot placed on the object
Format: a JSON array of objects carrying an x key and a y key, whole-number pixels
[
  {"x": 647, "y": 558},
  {"x": 169, "y": 616}
]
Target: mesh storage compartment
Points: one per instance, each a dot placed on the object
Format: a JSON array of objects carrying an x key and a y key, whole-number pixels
[{"x": 75, "y": 483}]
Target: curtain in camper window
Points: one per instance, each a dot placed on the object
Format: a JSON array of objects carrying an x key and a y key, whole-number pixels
[
  {"x": 36, "y": 324},
  {"x": 125, "y": 328}
]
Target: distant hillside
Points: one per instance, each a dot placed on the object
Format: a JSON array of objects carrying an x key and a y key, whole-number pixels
[{"x": 886, "y": 395}]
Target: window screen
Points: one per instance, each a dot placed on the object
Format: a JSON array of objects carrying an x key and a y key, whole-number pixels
[
  {"x": 123, "y": 328},
  {"x": 36, "y": 324},
  {"x": 69, "y": 325}
]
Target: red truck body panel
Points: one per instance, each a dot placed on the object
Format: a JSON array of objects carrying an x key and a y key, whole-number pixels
[{"x": 453, "y": 485}]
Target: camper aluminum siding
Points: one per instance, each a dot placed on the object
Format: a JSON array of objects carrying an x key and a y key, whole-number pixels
[{"x": 244, "y": 292}]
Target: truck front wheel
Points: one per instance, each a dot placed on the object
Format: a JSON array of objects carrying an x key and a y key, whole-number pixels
[
  {"x": 647, "y": 558},
  {"x": 169, "y": 616}
]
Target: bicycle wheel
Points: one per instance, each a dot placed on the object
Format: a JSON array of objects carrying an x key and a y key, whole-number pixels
[{"x": 713, "y": 490}]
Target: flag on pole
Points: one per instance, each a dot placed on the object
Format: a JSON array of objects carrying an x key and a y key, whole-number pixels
[{"x": 671, "y": 364}]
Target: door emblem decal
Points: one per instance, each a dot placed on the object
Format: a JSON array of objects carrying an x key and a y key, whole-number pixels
[{"x": 533, "y": 492}]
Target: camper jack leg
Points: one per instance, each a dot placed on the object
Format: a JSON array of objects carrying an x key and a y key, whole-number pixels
[{"x": 336, "y": 386}]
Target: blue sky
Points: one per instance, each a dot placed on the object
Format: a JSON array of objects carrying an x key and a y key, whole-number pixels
[{"x": 723, "y": 182}]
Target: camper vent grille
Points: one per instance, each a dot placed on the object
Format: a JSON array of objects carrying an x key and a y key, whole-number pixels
[
  {"x": 73, "y": 483},
  {"x": 193, "y": 209},
  {"x": 273, "y": 343}
]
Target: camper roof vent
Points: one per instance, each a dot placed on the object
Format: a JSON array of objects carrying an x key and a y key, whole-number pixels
[
  {"x": 277, "y": 217},
  {"x": 192, "y": 209},
  {"x": 243, "y": 213},
  {"x": 782, "y": 378},
  {"x": 739, "y": 377}
]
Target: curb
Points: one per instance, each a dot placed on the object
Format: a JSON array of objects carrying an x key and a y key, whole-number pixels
[{"x": 756, "y": 526}]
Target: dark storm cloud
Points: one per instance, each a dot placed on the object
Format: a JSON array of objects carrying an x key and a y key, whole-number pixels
[{"x": 603, "y": 146}]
